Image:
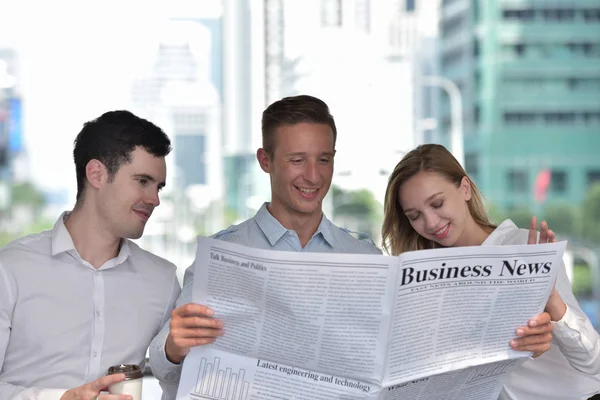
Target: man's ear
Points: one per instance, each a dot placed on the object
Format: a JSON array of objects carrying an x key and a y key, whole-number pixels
[
  {"x": 465, "y": 186},
  {"x": 96, "y": 173},
  {"x": 264, "y": 160}
]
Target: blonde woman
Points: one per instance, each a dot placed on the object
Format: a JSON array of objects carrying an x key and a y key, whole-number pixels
[{"x": 431, "y": 202}]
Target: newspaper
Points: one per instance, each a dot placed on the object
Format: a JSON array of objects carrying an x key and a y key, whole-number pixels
[{"x": 323, "y": 326}]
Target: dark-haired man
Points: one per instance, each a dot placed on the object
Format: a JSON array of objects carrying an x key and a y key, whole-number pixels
[{"x": 81, "y": 297}]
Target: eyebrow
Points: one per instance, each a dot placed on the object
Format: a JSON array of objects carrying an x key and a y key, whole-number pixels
[
  {"x": 426, "y": 200},
  {"x": 150, "y": 178}
]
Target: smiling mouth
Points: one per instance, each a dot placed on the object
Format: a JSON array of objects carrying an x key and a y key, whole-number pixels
[
  {"x": 442, "y": 232},
  {"x": 307, "y": 191},
  {"x": 143, "y": 214}
]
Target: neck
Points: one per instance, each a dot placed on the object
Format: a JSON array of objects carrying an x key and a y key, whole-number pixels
[
  {"x": 305, "y": 225},
  {"x": 94, "y": 243},
  {"x": 474, "y": 234}
]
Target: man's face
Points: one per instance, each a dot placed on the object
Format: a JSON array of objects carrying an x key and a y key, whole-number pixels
[
  {"x": 127, "y": 202},
  {"x": 301, "y": 169}
]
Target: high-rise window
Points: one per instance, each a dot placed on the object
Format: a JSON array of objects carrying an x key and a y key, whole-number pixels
[
  {"x": 558, "y": 181},
  {"x": 517, "y": 181},
  {"x": 521, "y": 15},
  {"x": 591, "y": 15},
  {"x": 471, "y": 161},
  {"x": 593, "y": 177}
]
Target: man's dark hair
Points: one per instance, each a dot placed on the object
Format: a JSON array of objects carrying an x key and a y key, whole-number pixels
[
  {"x": 111, "y": 138},
  {"x": 291, "y": 111}
]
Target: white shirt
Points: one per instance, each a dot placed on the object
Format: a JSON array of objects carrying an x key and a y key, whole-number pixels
[
  {"x": 63, "y": 323},
  {"x": 570, "y": 370}
]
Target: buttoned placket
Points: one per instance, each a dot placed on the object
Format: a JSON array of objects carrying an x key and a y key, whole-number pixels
[
  {"x": 293, "y": 240},
  {"x": 99, "y": 327}
]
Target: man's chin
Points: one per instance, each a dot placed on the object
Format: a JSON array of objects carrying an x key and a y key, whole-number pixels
[{"x": 135, "y": 235}]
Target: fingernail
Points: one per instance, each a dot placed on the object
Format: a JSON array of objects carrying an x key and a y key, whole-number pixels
[
  {"x": 513, "y": 343},
  {"x": 520, "y": 332},
  {"x": 533, "y": 322},
  {"x": 210, "y": 312}
]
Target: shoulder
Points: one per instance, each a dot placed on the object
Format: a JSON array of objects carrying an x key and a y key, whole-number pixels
[
  {"x": 233, "y": 231},
  {"x": 360, "y": 242},
  {"x": 40, "y": 243},
  {"x": 508, "y": 233},
  {"x": 150, "y": 259}
]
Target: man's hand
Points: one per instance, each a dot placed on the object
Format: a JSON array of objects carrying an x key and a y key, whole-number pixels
[
  {"x": 191, "y": 325},
  {"x": 534, "y": 337},
  {"x": 91, "y": 391}
]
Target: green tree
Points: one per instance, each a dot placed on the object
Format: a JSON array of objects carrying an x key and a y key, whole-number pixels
[
  {"x": 495, "y": 213},
  {"x": 561, "y": 217},
  {"x": 23, "y": 195},
  {"x": 590, "y": 214},
  {"x": 521, "y": 216},
  {"x": 27, "y": 194},
  {"x": 358, "y": 210}
]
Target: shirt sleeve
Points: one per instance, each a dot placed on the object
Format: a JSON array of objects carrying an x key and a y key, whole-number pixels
[
  {"x": 8, "y": 391},
  {"x": 164, "y": 370},
  {"x": 8, "y": 301},
  {"x": 574, "y": 334}
]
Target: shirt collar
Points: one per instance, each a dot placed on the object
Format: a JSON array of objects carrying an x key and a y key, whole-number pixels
[
  {"x": 498, "y": 235},
  {"x": 274, "y": 231},
  {"x": 62, "y": 241}
]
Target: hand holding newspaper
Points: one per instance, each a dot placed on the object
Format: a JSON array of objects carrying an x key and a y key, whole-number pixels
[{"x": 320, "y": 326}]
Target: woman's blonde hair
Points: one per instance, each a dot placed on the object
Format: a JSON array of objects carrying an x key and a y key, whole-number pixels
[{"x": 397, "y": 233}]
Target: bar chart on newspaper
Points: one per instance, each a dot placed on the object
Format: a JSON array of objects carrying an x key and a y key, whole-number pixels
[{"x": 220, "y": 384}]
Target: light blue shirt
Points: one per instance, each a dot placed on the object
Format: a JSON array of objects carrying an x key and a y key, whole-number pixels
[
  {"x": 64, "y": 322},
  {"x": 262, "y": 231}
]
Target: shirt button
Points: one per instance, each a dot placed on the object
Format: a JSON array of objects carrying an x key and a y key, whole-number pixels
[{"x": 95, "y": 354}]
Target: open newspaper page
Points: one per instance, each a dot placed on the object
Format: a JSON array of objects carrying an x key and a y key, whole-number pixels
[
  {"x": 325, "y": 313},
  {"x": 458, "y": 308},
  {"x": 305, "y": 326},
  {"x": 481, "y": 382}
]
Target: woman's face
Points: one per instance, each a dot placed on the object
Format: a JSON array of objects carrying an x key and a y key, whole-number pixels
[{"x": 436, "y": 208}]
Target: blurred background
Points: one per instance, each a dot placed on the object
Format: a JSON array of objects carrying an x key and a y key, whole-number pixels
[{"x": 512, "y": 87}]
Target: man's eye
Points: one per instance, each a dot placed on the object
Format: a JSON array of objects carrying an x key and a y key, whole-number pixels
[{"x": 438, "y": 205}]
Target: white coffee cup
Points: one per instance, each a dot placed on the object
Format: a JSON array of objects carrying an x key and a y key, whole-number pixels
[{"x": 132, "y": 385}]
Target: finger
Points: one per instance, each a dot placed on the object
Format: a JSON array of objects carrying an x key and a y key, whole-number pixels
[
  {"x": 543, "y": 232},
  {"x": 193, "y": 309},
  {"x": 541, "y": 319},
  {"x": 188, "y": 343},
  {"x": 529, "y": 341},
  {"x": 115, "y": 397},
  {"x": 537, "y": 330},
  {"x": 542, "y": 345},
  {"x": 532, "y": 238},
  {"x": 197, "y": 322},
  {"x": 196, "y": 333},
  {"x": 104, "y": 382},
  {"x": 536, "y": 349}
]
